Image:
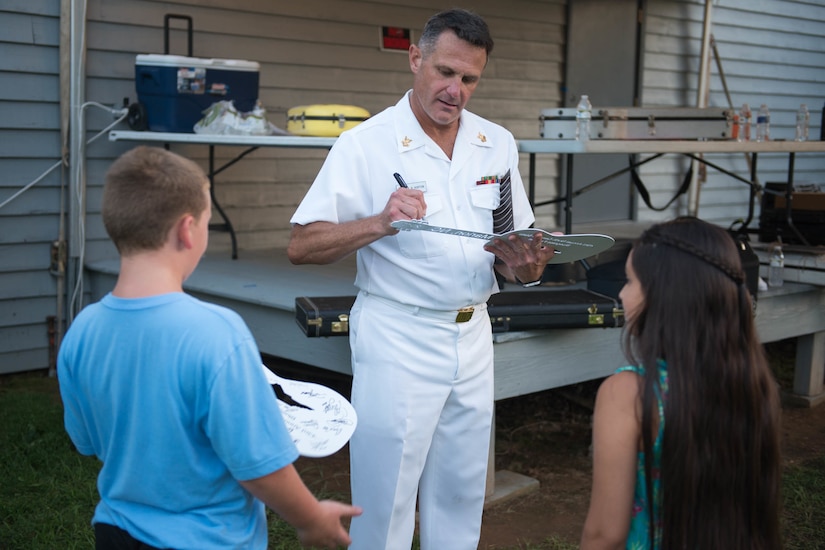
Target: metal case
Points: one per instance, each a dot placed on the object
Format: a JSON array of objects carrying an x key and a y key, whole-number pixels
[{"x": 641, "y": 123}]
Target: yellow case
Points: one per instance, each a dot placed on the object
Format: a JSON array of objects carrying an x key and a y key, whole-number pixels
[{"x": 324, "y": 120}]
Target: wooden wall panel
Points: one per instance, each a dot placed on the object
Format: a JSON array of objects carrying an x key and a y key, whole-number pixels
[{"x": 316, "y": 51}]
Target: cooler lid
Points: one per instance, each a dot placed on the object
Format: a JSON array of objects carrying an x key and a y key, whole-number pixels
[{"x": 160, "y": 60}]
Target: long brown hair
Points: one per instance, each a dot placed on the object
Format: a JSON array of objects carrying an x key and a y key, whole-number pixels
[{"x": 720, "y": 465}]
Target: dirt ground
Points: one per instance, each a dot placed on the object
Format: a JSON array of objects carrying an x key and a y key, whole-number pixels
[{"x": 546, "y": 436}]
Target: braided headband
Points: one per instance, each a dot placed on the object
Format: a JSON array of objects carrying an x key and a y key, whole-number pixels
[{"x": 654, "y": 236}]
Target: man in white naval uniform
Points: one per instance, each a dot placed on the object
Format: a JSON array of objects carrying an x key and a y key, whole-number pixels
[{"x": 422, "y": 352}]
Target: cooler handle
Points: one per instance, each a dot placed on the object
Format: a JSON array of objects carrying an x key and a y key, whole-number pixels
[{"x": 188, "y": 20}]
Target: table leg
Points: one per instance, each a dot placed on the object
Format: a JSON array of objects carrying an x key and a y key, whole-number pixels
[
  {"x": 226, "y": 225},
  {"x": 809, "y": 371}
]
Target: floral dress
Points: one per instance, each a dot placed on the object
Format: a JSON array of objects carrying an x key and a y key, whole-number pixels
[{"x": 638, "y": 538}]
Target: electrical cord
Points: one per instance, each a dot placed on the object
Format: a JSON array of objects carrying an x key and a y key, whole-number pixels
[
  {"x": 120, "y": 113},
  {"x": 75, "y": 301}
]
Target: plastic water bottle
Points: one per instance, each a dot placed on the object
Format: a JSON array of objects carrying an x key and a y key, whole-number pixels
[
  {"x": 744, "y": 123},
  {"x": 584, "y": 113},
  {"x": 802, "y": 121},
  {"x": 763, "y": 124},
  {"x": 776, "y": 269}
]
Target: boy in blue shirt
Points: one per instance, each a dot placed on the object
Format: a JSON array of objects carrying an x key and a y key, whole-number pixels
[{"x": 168, "y": 391}]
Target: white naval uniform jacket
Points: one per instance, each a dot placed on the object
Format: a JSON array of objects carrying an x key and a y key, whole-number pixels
[{"x": 420, "y": 268}]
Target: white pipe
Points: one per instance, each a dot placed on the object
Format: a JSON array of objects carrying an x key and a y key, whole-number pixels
[
  {"x": 701, "y": 101},
  {"x": 77, "y": 153}
]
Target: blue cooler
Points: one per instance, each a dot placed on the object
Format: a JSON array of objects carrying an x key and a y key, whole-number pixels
[{"x": 175, "y": 90}]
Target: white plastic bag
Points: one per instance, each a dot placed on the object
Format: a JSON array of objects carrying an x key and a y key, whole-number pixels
[{"x": 222, "y": 118}]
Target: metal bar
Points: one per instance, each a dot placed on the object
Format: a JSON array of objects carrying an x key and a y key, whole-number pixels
[
  {"x": 568, "y": 202},
  {"x": 789, "y": 198},
  {"x": 233, "y": 161},
  {"x": 227, "y": 225},
  {"x": 720, "y": 169}
]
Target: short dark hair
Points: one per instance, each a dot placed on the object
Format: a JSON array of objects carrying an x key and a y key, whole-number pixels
[
  {"x": 146, "y": 191},
  {"x": 468, "y": 26}
]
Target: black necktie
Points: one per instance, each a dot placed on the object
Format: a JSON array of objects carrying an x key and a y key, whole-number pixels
[{"x": 503, "y": 215}]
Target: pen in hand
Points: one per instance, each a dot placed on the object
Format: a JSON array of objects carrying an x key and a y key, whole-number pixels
[
  {"x": 400, "y": 180},
  {"x": 403, "y": 184}
]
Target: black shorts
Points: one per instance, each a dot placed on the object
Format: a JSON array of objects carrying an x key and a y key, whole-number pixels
[{"x": 110, "y": 537}]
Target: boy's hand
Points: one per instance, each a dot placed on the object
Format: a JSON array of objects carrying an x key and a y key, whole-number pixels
[{"x": 327, "y": 531}]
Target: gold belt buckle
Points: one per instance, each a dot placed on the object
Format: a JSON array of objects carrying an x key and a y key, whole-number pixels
[{"x": 464, "y": 314}]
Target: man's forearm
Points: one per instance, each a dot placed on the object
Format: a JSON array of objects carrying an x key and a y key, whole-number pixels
[{"x": 326, "y": 242}]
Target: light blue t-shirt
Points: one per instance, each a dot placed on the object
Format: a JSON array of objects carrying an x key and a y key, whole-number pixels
[{"x": 168, "y": 392}]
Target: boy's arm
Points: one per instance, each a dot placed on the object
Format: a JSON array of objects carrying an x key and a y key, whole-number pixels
[{"x": 317, "y": 523}]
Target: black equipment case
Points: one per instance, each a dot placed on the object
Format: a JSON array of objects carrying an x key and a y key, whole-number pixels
[
  {"x": 807, "y": 215},
  {"x": 323, "y": 315},
  {"x": 508, "y": 311},
  {"x": 539, "y": 309}
]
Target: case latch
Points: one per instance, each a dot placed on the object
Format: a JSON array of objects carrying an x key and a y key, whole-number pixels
[{"x": 341, "y": 325}]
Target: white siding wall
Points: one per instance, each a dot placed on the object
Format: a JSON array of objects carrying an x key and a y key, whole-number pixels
[
  {"x": 772, "y": 52},
  {"x": 29, "y": 145}
]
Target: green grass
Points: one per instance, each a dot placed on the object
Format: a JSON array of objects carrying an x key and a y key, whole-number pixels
[
  {"x": 47, "y": 490},
  {"x": 48, "y": 493},
  {"x": 803, "y": 495}
]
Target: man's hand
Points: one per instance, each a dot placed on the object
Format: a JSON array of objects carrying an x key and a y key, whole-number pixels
[
  {"x": 524, "y": 259},
  {"x": 327, "y": 242},
  {"x": 403, "y": 204}
]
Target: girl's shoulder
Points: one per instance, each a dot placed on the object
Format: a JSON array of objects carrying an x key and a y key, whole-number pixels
[
  {"x": 620, "y": 390},
  {"x": 631, "y": 368}
]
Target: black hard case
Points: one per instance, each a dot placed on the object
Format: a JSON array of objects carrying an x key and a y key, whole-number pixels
[
  {"x": 508, "y": 311},
  {"x": 323, "y": 315},
  {"x": 553, "y": 308},
  {"x": 807, "y": 215}
]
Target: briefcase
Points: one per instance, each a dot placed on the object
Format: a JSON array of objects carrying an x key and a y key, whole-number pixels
[
  {"x": 641, "y": 123},
  {"x": 553, "y": 308},
  {"x": 807, "y": 215},
  {"x": 508, "y": 311},
  {"x": 323, "y": 315},
  {"x": 325, "y": 120}
]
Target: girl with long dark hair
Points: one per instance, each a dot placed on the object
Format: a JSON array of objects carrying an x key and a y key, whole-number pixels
[{"x": 686, "y": 440}]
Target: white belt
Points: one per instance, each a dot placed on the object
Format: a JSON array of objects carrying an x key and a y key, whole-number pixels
[{"x": 452, "y": 316}]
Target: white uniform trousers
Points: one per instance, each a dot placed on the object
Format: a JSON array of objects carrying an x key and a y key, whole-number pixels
[{"x": 423, "y": 391}]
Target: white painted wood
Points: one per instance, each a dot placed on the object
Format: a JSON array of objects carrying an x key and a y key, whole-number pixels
[
  {"x": 24, "y": 361},
  {"x": 809, "y": 373},
  {"x": 26, "y": 311},
  {"x": 29, "y": 144}
]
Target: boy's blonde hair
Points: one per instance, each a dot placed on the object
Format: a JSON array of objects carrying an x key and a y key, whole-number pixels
[{"x": 146, "y": 191}]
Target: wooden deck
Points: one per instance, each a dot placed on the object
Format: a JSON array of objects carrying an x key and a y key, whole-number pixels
[{"x": 262, "y": 287}]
